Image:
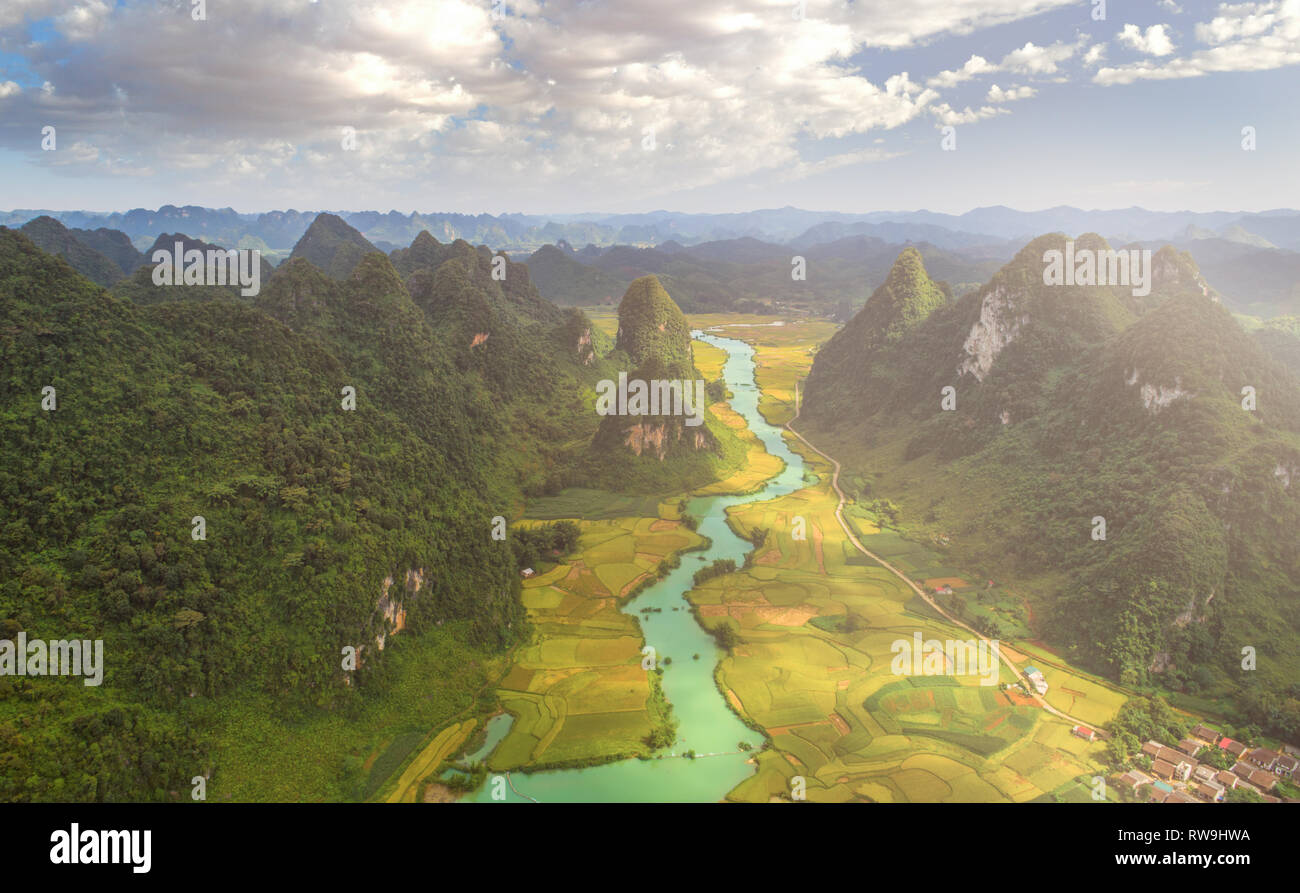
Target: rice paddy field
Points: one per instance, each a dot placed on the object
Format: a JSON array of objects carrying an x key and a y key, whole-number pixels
[
  {"x": 817, "y": 620},
  {"x": 578, "y": 692},
  {"x": 815, "y": 624},
  {"x": 813, "y": 669},
  {"x": 785, "y": 350}
]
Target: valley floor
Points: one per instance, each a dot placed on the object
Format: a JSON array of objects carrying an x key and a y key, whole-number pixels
[{"x": 817, "y": 622}]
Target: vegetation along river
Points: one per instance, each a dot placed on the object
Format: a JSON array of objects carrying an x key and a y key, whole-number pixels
[{"x": 706, "y": 724}]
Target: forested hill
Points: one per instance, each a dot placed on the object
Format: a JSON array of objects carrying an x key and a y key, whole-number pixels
[
  {"x": 1073, "y": 403},
  {"x": 469, "y": 391}
]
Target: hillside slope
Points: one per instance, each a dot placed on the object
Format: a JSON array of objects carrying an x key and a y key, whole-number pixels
[{"x": 1074, "y": 403}]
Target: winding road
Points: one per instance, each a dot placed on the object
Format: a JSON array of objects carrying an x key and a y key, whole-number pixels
[{"x": 848, "y": 532}]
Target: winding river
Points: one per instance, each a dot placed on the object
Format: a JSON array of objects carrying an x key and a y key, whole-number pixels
[{"x": 706, "y": 724}]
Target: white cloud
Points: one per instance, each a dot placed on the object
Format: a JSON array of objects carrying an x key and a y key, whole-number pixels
[
  {"x": 1033, "y": 59},
  {"x": 9, "y": 88},
  {"x": 1246, "y": 37},
  {"x": 974, "y": 65},
  {"x": 1238, "y": 21},
  {"x": 997, "y": 94},
  {"x": 1155, "y": 42},
  {"x": 946, "y": 114}
]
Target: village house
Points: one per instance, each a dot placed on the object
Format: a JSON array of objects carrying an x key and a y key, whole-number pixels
[
  {"x": 1181, "y": 797},
  {"x": 1183, "y": 770},
  {"x": 1169, "y": 754},
  {"x": 1227, "y": 779},
  {"x": 1210, "y": 791},
  {"x": 1286, "y": 766},
  {"x": 1084, "y": 732},
  {"x": 1265, "y": 781},
  {"x": 1152, "y": 749},
  {"x": 1206, "y": 734},
  {"x": 1204, "y": 773},
  {"x": 1135, "y": 778},
  {"x": 527, "y": 572},
  {"x": 1159, "y": 792},
  {"x": 1162, "y": 769},
  {"x": 1190, "y": 746},
  {"x": 1236, "y": 748},
  {"x": 1263, "y": 757}
]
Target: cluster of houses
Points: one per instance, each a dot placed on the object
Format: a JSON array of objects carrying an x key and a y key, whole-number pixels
[{"x": 1178, "y": 777}]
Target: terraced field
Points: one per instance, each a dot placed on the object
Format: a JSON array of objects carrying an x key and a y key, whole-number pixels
[
  {"x": 817, "y": 622},
  {"x": 578, "y": 692}
]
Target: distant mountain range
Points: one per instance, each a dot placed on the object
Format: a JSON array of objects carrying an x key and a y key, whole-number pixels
[
  {"x": 735, "y": 261},
  {"x": 280, "y": 230}
]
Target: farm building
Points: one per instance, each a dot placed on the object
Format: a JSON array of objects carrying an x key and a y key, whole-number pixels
[
  {"x": 527, "y": 572},
  {"x": 1035, "y": 677},
  {"x": 1084, "y": 732}
]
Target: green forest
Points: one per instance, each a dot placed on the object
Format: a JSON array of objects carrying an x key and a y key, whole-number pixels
[{"x": 221, "y": 486}]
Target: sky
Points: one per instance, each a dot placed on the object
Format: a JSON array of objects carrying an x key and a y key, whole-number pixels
[{"x": 565, "y": 106}]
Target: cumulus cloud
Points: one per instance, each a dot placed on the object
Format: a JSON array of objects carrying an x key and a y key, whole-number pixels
[
  {"x": 997, "y": 94},
  {"x": 1033, "y": 59},
  {"x": 1241, "y": 37},
  {"x": 442, "y": 96},
  {"x": 975, "y": 65},
  {"x": 946, "y": 114},
  {"x": 1030, "y": 59},
  {"x": 1154, "y": 42}
]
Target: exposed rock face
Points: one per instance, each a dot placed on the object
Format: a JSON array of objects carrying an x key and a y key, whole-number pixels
[
  {"x": 657, "y": 438},
  {"x": 998, "y": 325},
  {"x": 653, "y": 331},
  {"x": 1158, "y": 397},
  {"x": 585, "y": 349},
  {"x": 391, "y": 609}
]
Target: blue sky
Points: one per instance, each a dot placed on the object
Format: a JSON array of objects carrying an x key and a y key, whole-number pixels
[{"x": 586, "y": 106}]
